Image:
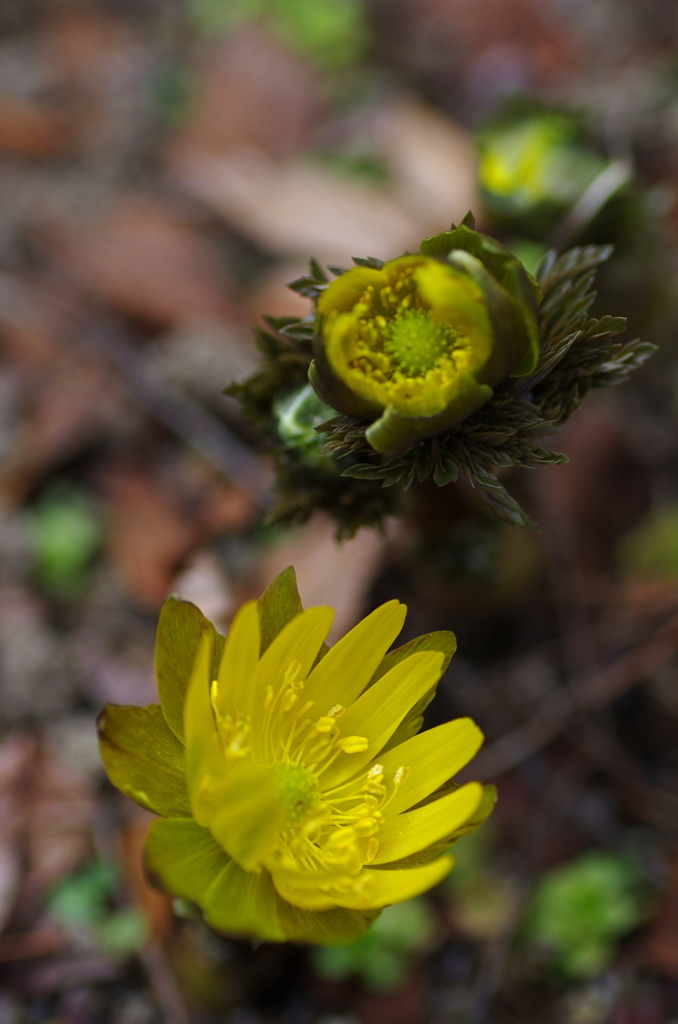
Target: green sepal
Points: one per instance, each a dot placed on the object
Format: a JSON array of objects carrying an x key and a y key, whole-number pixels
[
  {"x": 180, "y": 630},
  {"x": 392, "y": 430},
  {"x": 431, "y": 853},
  {"x": 243, "y": 903},
  {"x": 331, "y": 390},
  {"x": 278, "y": 605},
  {"x": 504, "y": 268},
  {"x": 514, "y": 345},
  {"x": 521, "y": 286},
  {"x": 483, "y": 811},
  {"x": 334, "y": 927},
  {"x": 183, "y": 858},
  {"x": 144, "y": 759},
  {"x": 441, "y": 640},
  {"x": 491, "y": 253}
]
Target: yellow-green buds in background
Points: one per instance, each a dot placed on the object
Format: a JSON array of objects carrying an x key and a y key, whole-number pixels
[{"x": 419, "y": 344}]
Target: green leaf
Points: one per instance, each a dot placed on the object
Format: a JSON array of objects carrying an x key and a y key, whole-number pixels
[
  {"x": 244, "y": 903},
  {"x": 380, "y": 958},
  {"x": 144, "y": 759},
  {"x": 579, "y": 911},
  {"x": 81, "y": 898},
  {"x": 66, "y": 529},
  {"x": 368, "y": 261},
  {"x": 278, "y": 605},
  {"x": 183, "y": 858},
  {"x": 180, "y": 630},
  {"x": 122, "y": 933}
]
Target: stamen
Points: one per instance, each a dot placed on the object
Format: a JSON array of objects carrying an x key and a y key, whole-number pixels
[{"x": 352, "y": 744}]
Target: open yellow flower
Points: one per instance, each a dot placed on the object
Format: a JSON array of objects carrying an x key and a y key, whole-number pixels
[{"x": 298, "y": 799}]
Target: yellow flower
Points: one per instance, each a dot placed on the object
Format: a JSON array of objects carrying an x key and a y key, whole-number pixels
[
  {"x": 419, "y": 344},
  {"x": 298, "y": 801}
]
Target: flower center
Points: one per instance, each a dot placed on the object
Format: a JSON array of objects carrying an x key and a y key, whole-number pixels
[
  {"x": 298, "y": 789},
  {"x": 415, "y": 342},
  {"x": 325, "y": 830}
]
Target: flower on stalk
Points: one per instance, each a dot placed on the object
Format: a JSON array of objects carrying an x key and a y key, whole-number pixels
[
  {"x": 452, "y": 362},
  {"x": 297, "y": 799},
  {"x": 419, "y": 344}
]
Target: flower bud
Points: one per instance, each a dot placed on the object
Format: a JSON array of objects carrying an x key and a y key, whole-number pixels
[{"x": 419, "y": 344}]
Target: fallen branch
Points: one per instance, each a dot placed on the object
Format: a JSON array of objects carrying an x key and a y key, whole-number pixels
[{"x": 587, "y": 692}]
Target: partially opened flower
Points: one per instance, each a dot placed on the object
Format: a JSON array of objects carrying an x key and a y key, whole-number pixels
[
  {"x": 298, "y": 799},
  {"x": 419, "y": 344}
]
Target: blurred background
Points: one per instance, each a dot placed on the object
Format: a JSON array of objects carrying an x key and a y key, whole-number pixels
[{"x": 166, "y": 167}]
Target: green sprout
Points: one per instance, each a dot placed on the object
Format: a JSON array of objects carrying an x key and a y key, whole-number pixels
[
  {"x": 581, "y": 909},
  {"x": 67, "y": 533},
  {"x": 652, "y": 547},
  {"x": 333, "y": 33},
  {"x": 298, "y": 414},
  {"x": 536, "y": 163},
  {"x": 81, "y": 904},
  {"x": 381, "y": 957}
]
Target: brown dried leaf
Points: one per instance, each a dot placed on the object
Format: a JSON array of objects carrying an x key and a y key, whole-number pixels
[
  {"x": 156, "y": 905},
  {"x": 660, "y": 948},
  {"x": 251, "y": 91},
  {"x": 148, "y": 263},
  {"x": 17, "y": 753},
  {"x": 433, "y": 161},
  {"x": 29, "y": 130},
  {"x": 296, "y": 207},
  {"x": 148, "y": 534},
  {"x": 67, "y": 410},
  {"x": 328, "y": 573},
  {"x": 60, "y": 812}
]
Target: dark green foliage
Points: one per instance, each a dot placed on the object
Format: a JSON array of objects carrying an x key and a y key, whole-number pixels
[
  {"x": 303, "y": 486},
  {"x": 577, "y": 353}
]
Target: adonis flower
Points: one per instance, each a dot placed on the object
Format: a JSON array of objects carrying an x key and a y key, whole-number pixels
[
  {"x": 297, "y": 799},
  {"x": 447, "y": 363},
  {"x": 419, "y": 344}
]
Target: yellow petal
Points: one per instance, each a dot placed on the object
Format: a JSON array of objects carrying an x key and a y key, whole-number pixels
[
  {"x": 238, "y": 667},
  {"x": 347, "y": 667},
  {"x": 377, "y": 713},
  {"x": 243, "y": 903},
  {"x": 204, "y": 761},
  {"x": 411, "y": 831},
  {"x": 433, "y": 757},
  {"x": 298, "y": 642},
  {"x": 249, "y": 815},
  {"x": 343, "y": 293},
  {"x": 311, "y": 898},
  {"x": 385, "y": 887}
]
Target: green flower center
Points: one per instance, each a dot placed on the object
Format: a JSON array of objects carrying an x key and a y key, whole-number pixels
[
  {"x": 298, "y": 789},
  {"x": 415, "y": 342}
]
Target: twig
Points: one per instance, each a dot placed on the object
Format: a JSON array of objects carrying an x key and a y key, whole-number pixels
[
  {"x": 587, "y": 692},
  {"x": 186, "y": 418},
  {"x": 26, "y": 945}
]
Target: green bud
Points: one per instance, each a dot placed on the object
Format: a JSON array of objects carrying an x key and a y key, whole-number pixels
[{"x": 419, "y": 344}]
